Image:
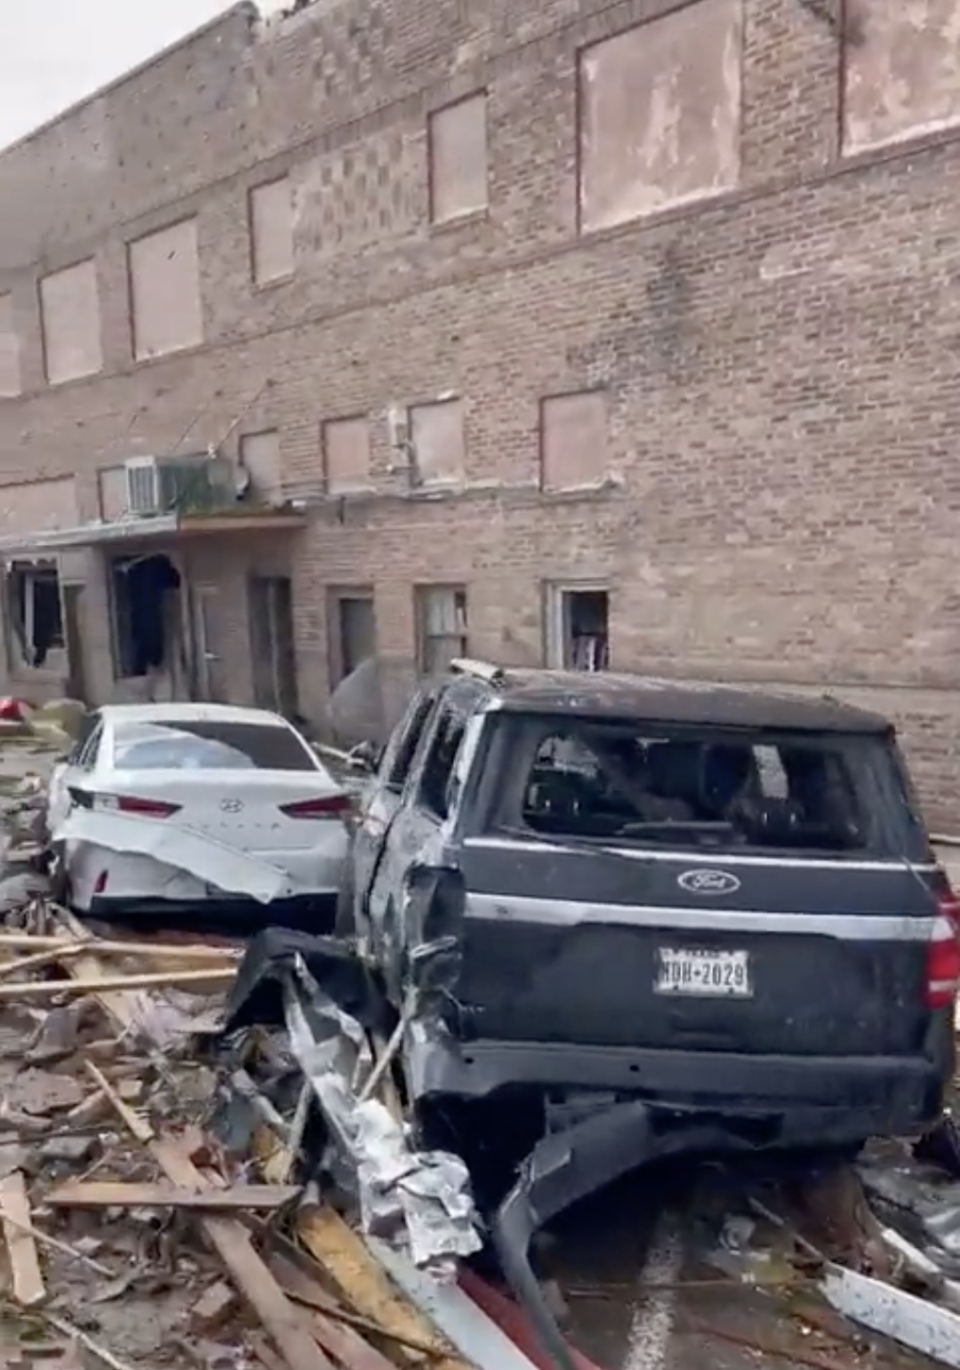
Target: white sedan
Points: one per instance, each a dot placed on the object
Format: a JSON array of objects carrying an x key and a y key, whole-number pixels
[{"x": 165, "y": 810}]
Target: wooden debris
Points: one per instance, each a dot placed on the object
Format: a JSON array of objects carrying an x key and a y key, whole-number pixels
[
  {"x": 27, "y": 964},
  {"x": 67, "y": 942},
  {"x": 134, "y": 1123},
  {"x": 77, "y": 1335},
  {"x": 118, "y": 1194},
  {"x": 213, "y": 1307},
  {"x": 214, "y": 978},
  {"x": 343, "y": 1343},
  {"x": 28, "y": 1286},
  {"x": 338, "y": 1249}
]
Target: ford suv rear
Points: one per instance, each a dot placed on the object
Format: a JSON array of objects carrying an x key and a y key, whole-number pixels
[{"x": 719, "y": 902}]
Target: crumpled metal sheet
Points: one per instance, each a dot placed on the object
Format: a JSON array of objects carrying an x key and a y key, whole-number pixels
[
  {"x": 215, "y": 863},
  {"x": 415, "y": 1199}
]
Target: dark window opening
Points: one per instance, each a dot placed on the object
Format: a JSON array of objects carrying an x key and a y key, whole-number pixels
[
  {"x": 355, "y": 629},
  {"x": 201, "y": 745},
  {"x": 142, "y": 589},
  {"x": 585, "y": 629},
  {"x": 35, "y": 611},
  {"x": 636, "y": 785}
]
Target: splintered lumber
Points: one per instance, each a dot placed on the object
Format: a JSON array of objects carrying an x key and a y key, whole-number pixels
[
  {"x": 118, "y": 1194},
  {"x": 100, "y": 984},
  {"x": 231, "y": 1240},
  {"x": 356, "y": 1273},
  {"x": 343, "y": 1342},
  {"x": 28, "y": 1286},
  {"x": 172, "y": 951}
]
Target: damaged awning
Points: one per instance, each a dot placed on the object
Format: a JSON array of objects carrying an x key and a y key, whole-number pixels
[{"x": 148, "y": 528}]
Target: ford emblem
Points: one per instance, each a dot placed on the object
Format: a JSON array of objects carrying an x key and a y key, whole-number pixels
[{"x": 708, "y": 882}]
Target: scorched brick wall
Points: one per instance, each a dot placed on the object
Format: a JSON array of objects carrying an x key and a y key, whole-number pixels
[{"x": 777, "y": 350}]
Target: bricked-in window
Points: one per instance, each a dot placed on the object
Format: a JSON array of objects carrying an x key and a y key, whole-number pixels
[
  {"x": 900, "y": 69},
  {"x": 70, "y": 319},
  {"x": 271, "y": 231},
  {"x": 346, "y": 454},
  {"x": 660, "y": 114},
  {"x": 165, "y": 291},
  {"x": 439, "y": 442},
  {"x": 458, "y": 159},
  {"x": 441, "y": 626},
  {"x": 574, "y": 445},
  {"x": 9, "y": 349}
]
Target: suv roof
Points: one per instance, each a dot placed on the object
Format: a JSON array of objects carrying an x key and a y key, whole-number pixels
[{"x": 651, "y": 699}]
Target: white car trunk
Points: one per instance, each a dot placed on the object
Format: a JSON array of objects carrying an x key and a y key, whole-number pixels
[{"x": 249, "y": 809}]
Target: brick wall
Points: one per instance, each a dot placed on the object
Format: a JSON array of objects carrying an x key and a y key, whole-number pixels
[{"x": 779, "y": 361}]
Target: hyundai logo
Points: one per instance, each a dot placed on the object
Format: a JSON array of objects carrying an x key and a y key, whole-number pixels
[
  {"x": 708, "y": 882},
  {"x": 231, "y": 805}
]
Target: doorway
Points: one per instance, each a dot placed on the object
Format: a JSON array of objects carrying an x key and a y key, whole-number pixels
[
  {"x": 578, "y": 627},
  {"x": 270, "y": 600},
  {"x": 145, "y": 602}
]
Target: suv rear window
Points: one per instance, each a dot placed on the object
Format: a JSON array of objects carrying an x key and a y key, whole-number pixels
[
  {"x": 201, "y": 745},
  {"x": 638, "y": 784}
]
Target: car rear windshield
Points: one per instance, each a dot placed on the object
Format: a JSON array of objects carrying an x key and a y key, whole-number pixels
[
  {"x": 201, "y": 745},
  {"x": 639, "y": 785}
]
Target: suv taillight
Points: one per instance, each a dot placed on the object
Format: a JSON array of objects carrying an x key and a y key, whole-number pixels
[{"x": 943, "y": 951}]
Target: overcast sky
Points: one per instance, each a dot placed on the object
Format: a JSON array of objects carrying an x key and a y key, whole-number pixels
[{"x": 54, "y": 52}]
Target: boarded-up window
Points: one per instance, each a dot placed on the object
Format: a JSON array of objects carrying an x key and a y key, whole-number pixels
[
  {"x": 659, "y": 111},
  {"x": 901, "y": 65},
  {"x": 165, "y": 291},
  {"x": 458, "y": 159},
  {"x": 9, "y": 349},
  {"x": 346, "y": 454},
  {"x": 439, "y": 444},
  {"x": 573, "y": 440},
  {"x": 70, "y": 317},
  {"x": 260, "y": 454},
  {"x": 271, "y": 231},
  {"x": 441, "y": 626}
]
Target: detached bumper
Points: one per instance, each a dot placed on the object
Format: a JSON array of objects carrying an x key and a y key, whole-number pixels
[{"x": 817, "y": 1100}]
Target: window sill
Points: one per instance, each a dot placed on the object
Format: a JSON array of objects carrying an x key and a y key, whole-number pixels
[{"x": 470, "y": 218}]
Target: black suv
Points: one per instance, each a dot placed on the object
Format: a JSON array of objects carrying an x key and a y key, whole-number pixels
[{"x": 605, "y": 888}]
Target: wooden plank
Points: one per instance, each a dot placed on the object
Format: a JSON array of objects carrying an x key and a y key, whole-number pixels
[
  {"x": 214, "y": 978},
  {"x": 355, "y": 1272},
  {"x": 28, "y": 1286},
  {"x": 344, "y": 1343},
  {"x": 118, "y": 1194},
  {"x": 171, "y": 951},
  {"x": 284, "y": 1322}
]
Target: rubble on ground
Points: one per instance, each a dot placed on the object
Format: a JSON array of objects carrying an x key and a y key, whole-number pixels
[{"x": 166, "y": 1198}]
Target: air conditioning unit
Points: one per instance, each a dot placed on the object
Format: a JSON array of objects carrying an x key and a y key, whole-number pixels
[
  {"x": 163, "y": 485},
  {"x": 143, "y": 485}
]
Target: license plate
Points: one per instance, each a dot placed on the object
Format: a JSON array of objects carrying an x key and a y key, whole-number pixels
[{"x": 707, "y": 973}]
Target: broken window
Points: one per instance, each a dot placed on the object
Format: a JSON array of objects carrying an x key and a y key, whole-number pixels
[
  {"x": 441, "y": 626},
  {"x": 398, "y": 758},
  {"x": 441, "y": 758},
  {"x": 142, "y": 589},
  {"x": 193, "y": 744},
  {"x": 438, "y": 434},
  {"x": 35, "y": 611},
  {"x": 578, "y": 629},
  {"x": 642, "y": 783}
]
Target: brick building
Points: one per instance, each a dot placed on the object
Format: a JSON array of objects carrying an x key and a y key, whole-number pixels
[{"x": 563, "y": 329}]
